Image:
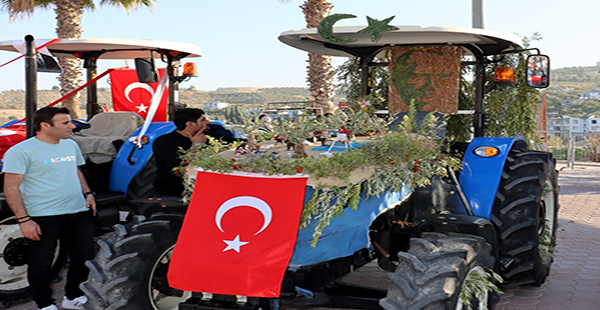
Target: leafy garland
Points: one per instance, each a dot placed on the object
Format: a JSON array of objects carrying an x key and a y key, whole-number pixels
[{"x": 407, "y": 157}]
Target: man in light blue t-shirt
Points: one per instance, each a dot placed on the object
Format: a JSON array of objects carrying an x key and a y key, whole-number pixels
[{"x": 52, "y": 201}]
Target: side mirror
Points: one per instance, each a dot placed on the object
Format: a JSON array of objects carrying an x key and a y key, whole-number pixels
[
  {"x": 538, "y": 71},
  {"x": 146, "y": 71}
]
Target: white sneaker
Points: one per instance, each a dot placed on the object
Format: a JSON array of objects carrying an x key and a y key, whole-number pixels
[
  {"x": 51, "y": 307},
  {"x": 75, "y": 304}
]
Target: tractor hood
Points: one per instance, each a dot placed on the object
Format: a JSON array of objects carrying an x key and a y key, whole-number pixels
[{"x": 485, "y": 41}]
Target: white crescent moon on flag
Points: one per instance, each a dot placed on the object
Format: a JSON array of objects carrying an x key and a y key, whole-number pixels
[
  {"x": 135, "y": 85},
  {"x": 245, "y": 201},
  {"x": 7, "y": 132}
]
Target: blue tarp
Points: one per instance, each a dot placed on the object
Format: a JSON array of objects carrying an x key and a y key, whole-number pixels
[{"x": 346, "y": 234}]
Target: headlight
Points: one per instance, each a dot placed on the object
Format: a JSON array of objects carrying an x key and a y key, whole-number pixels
[{"x": 486, "y": 151}]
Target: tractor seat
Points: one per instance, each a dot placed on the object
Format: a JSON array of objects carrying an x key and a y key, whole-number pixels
[{"x": 97, "y": 142}]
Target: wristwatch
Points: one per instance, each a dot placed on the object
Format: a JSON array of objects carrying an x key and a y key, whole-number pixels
[{"x": 89, "y": 193}]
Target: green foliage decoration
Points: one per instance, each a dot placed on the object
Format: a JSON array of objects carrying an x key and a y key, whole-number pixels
[
  {"x": 349, "y": 75},
  {"x": 478, "y": 284},
  {"x": 511, "y": 110},
  {"x": 325, "y": 28},
  {"x": 407, "y": 157},
  {"x": 376, "y": 27}
]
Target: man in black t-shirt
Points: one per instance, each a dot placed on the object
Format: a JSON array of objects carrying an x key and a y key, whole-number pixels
[{"x": 191, "y": 125}]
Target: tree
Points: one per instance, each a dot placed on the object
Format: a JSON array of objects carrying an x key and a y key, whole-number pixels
[
  {"x": 320, "y": 69},
  {"x": 68, "y": 25}
]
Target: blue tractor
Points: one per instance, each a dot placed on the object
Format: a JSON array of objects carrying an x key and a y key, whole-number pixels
[{"x": 499, "y": 214}]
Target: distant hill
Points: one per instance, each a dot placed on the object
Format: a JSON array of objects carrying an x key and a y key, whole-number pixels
[
  {"x": 14, "y": 99},
  {"x": 566, "y": 83},
  {"x": 576, "y": 74}
]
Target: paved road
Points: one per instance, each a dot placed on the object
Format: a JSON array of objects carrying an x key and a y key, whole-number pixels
[{"x": 574, "y": 281}]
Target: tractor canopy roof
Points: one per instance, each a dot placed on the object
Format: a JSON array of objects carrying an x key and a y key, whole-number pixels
[
  {"x": 486, "y": 42},
  {"x": 114, "y": 48}
]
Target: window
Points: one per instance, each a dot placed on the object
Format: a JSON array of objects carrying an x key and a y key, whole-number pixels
[{"x": 594, "y": 121}]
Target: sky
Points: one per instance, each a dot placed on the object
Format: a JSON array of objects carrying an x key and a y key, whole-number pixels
[{"x": 239, "y": 41}]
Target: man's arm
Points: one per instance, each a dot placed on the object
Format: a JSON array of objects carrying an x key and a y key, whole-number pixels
[
  {"x": 167, "y": 152},
  {"x": 90, "y": 200},
  {"x": 29, "y": 228}
]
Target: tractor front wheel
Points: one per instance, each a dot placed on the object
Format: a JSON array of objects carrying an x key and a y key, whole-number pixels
[
  {"x": 130, "y": 270},
  {"x": 442, "y": 271},
  {"x": 13, "y": 261},
  {"x": 525, "y": 213}
]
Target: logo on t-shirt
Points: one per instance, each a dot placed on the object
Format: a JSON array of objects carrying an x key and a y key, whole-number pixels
[{"x": 61, "y": 159}]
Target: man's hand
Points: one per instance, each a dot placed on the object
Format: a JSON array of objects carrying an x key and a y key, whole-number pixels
[
  {"x": 90, "y": 203},
  {"x": 31, "y": 230},
  {"x": 198, "y": 137}
]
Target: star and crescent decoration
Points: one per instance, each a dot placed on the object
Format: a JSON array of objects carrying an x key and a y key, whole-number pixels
[
  {"x": 375, "y": 28},
  {"x": 242, "y": 201}
]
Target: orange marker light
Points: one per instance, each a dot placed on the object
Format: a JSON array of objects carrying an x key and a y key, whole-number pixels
[
  {"x": 504, "y": 75},
  {"x": 486, "y": 151},
  {"x": 189, "y": 69}
]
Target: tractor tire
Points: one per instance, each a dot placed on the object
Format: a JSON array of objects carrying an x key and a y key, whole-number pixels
[
  {"x": 142, "y": 185},
  {"x": 13, "y": 261},
  {"x": 432, "y": 273},
  {"x": 130, "y": 270},
  {"x": 525, "y": 214}
]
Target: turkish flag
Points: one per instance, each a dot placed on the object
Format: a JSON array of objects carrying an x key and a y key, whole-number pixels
[
  {"x": 11, "y": 135},
  {"x": 131, "y": 95},
  {"x": 238, "y": 235}
]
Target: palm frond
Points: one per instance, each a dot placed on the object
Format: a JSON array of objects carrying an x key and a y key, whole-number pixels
[{"x": 129, "y": 4}]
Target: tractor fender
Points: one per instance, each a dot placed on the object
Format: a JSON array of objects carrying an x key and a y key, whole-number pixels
[
  {"x": 480, "y": 176},
  {"x": 458, "y": 223},
  {"x": 130, "y": 159}
]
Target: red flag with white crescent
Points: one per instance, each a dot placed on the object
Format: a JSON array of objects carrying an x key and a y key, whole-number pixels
[
  {"x": 238, "y": 235},
  {"x": 129, "y": 94}
]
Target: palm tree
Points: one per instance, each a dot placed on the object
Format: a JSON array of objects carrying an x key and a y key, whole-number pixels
[
  {"x": 68, "y": 25},
  {"x": 320, "y": 71}
]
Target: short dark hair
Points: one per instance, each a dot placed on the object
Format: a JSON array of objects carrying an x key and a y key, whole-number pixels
[
  {"x": 182, "y": 116},
  {"x": 45, "y": 115}
]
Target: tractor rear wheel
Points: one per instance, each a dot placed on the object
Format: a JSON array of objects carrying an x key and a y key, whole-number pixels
[
  {"x": 130, "y": 270},
  {"x": 525, "y": 213},
  {"x": 13, "y": 261},
  {"x": 142, "y": 185},
  {"x": 439, "y": 271}
]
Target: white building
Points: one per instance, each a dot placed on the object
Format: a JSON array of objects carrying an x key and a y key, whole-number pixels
[
  {"x": 590, "y": 95},
  {"x": 590, "y": 123},
  {"x": 215, "y": 105}
]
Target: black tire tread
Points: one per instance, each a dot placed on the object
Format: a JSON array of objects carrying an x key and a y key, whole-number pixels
[
  {"x": 433, "y": 263},
  {"x": 119, "y": 272},
  {"x": 516, "y": 215}
]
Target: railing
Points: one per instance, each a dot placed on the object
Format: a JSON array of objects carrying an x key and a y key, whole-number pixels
[{"x": 572, "y": 147}]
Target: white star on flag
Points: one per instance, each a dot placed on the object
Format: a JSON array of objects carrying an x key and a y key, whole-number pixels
[
  {"x": 234, "y": 244},
  {"x": 142, "y": 108}
]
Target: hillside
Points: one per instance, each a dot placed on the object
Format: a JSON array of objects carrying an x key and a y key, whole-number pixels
[
  {"x": 566, "y": 83},
  {"x": 13, "y": 99},
  {"x": 569, "y": 83}
]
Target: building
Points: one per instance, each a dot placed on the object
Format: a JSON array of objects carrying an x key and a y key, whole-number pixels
[
  {"x": 589, "y": 123},
  {"x": 215, "y": 105},
  {"x": 590, "y": 95}
]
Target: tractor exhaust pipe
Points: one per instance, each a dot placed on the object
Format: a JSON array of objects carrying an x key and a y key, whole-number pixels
[{"x": 30, "y": 84}]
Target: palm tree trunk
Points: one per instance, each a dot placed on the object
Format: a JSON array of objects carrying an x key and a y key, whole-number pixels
[
  {"x": 320, "y": 70},
  {"x": 68, "y": 25}
]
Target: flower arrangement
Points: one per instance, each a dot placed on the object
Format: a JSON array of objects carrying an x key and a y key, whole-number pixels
[{"x": 409, "y": 156}]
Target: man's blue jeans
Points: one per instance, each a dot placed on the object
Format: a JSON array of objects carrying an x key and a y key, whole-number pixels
[{"x": 76, "y": 235}]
